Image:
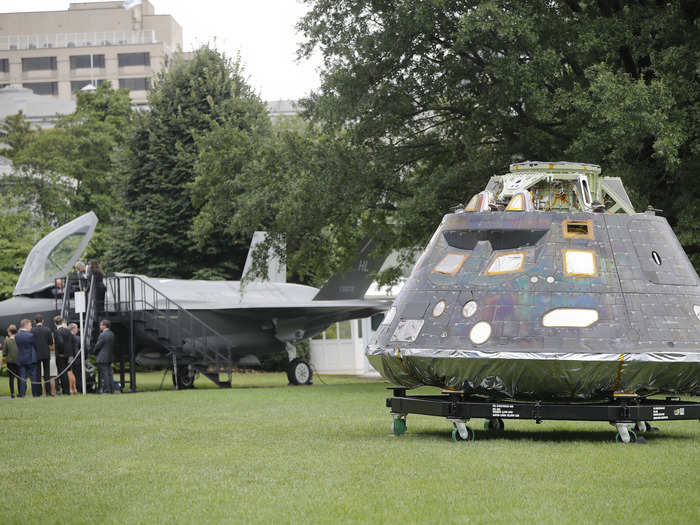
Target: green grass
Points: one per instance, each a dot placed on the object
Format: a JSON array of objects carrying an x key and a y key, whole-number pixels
[{"x": 323, "y": 454}]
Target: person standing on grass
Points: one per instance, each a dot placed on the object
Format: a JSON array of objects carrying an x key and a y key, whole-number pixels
[
  {"x": 77, "y": 364},
  {"x": 43, "y": 340},
  {"x": 64, "y": 352},
  {"x": 26, "y": 358},
  {"x": 103, "y": 351},
  {"x": 10, "y": 352}
]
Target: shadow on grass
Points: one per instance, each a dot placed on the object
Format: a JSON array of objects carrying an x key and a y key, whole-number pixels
[{"x": 548, "y": 436}]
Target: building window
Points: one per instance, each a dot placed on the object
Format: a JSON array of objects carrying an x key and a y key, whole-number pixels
[
  {"x": 134, "y": 59},
  {"x": 77, "y": 85},
  {"x": 39, "y": 64},
  {"x": 86, "y": 61},
  {"x": 4, "y": 65},
  {"x": 42, "y": 88},
  {"x": 134, "y": 84}
]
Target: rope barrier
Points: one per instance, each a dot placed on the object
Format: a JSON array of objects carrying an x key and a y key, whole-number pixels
[{"x": 65, "y": 370}]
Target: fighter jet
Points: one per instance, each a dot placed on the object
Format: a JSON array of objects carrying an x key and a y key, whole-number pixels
[{"x": 176, "y": 318}]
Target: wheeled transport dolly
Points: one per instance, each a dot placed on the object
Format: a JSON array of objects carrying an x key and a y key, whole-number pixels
[{"x": 630, "y": 415}]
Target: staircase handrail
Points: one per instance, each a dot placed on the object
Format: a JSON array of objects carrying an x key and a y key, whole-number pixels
[
  {"x": 158, "y": 295},
  {"x": 90, "y": 311}
]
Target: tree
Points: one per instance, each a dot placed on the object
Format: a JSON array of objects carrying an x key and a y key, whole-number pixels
[
  {"x": 436, "y": 96},
  {"x": 71, "y": 168},
  {"x": 19, "y": 231},
  {"x": 14, "y": 132},
  {"x": 193, "y": 98}
]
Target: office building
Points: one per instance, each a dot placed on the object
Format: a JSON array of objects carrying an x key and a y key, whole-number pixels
[{"x": 59, "y": 52}]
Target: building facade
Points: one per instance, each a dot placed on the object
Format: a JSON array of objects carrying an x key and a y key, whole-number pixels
[{"x": 59, "y": 52}]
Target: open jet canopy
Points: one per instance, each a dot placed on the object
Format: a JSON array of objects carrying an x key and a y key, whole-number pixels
[{"x": 54, "y": 255}]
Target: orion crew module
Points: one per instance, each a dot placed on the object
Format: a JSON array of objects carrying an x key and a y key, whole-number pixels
[{"x": 547, "y": 286}]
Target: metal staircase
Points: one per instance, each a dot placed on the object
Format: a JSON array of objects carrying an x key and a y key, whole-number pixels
[
  {"x": 140, "y": 311},
  {"x": 192, "y": 344}
]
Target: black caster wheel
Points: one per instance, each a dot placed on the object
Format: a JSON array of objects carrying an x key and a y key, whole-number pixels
[
  {"x": 494, "y": 424},
  {"x": 299, "y": 372}
]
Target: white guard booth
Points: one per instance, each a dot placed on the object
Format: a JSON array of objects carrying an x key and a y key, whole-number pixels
[{"x": 341, "y": 348}]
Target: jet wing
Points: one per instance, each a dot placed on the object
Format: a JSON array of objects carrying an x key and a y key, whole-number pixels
[{"x": 54, "y": 255}]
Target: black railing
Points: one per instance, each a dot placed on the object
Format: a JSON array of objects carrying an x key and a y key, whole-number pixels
[{"x": 174, "y": 327}]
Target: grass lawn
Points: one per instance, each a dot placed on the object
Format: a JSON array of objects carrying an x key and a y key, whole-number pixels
[{"x": 263, "y": 452}]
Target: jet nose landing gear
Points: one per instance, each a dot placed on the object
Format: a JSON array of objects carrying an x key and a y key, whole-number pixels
[{"x": 299, "y": 372}]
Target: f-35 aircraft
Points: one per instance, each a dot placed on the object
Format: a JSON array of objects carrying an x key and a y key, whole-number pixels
[{"x": 196, "y": 325}]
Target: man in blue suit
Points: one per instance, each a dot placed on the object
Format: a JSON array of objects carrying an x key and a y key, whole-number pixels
[{"x": 26, "y": 356}]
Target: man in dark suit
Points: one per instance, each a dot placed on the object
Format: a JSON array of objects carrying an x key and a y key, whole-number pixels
[
  {"x": 26, "y": 357},
  {"x": 78, "y": 279},
  {"x": 43, "y": 339},
  {"x": 63, "y": 348},
  {"x": 103, "y": 351}
]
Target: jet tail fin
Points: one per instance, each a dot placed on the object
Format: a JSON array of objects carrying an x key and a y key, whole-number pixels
[
  {"x": 354, "y": 282},
  {"x": 276, "y": 268}
]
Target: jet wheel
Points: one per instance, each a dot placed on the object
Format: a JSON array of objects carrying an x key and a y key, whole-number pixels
[
  {"x": 299, "y": 372},
  {"x": 185, "y": 377}
]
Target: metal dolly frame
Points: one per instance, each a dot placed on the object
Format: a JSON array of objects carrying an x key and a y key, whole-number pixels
[{"x": 629, "y": 414}]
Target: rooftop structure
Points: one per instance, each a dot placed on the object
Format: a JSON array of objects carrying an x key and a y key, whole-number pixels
[
  {"x": 59, "y": 52},
  {"x": 38, "y": 110}
]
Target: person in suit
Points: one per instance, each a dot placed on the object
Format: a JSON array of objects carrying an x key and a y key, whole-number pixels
[
  {"x": 10, "y": 352},
  {"x": 103, "y": 350},
  {"x": 63, "y": 343},
  {"x": 78, "y": 279},
  {"x": 26, "y": 358},
  {"x": 43, "y": 340}
]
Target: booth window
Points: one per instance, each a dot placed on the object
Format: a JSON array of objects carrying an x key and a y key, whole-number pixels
[{"x": 580, "y": 263}]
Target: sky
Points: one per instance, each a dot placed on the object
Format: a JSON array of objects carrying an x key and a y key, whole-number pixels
[{"x": 262, "y": 31}]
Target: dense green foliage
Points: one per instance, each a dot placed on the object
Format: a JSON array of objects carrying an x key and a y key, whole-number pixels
[
  {"x": 264, "y": 452},
  {"x": 204, "y": 97},
  {"x": 422, "y": 101},
  {"x": 62, "y": 172},
  {"x": 19, "y": 231}
]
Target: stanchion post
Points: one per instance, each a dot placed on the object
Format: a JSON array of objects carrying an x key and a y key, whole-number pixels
[{"x": 80, "y": 308}]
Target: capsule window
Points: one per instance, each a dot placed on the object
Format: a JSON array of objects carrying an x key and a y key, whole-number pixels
[
  {"x": 506, "y": 263},
  {"x": 657, "y": 258},
  {"x": 450, "y": 264},
  {"x": 570, "y": 318},
  {"x": 580, "y": 263},
  {"x": 439, "y": 309},
  {"x": 578, "y": 229}
]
